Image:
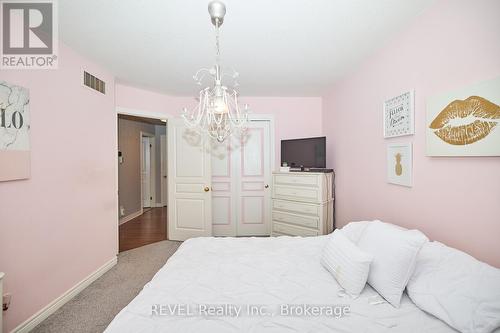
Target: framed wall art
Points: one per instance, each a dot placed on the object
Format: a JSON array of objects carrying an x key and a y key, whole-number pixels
[
  {"x": 399, "y": 115},
  {"x": 400, "y": 164},
  {"x": 14, "y": 132},
  {"x": 465, "y": 122}
]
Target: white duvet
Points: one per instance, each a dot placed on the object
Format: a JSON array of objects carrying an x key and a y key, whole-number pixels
[{"x": 251, "y": 285}]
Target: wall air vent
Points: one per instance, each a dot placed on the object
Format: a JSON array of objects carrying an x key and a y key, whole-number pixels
[{"x": 92, "y": 82}]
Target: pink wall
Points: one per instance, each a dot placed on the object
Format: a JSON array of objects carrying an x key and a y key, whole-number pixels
[
  {"x": 59, "y": 226},
  {"x": 454, "y": 200},
  {"x": 295, "y": 117}
]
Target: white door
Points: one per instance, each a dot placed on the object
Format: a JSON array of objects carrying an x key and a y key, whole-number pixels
[
  {"x": 163, "y": 169},
  {"x": 254, "y": 218},
  {"x": 189, "y": 181},
  {"x": 224, "y": 187},
  {"x": 241, "y": 174},
  {"x": 146, "y": 172}
]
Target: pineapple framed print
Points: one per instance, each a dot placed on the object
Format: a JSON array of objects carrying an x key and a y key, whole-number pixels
[
  {"x": 400, "y": 164},
  {"x": 465, "y": 122},
  {"x": 14, "y": 132},
  {"x": 399, "y": 115}
]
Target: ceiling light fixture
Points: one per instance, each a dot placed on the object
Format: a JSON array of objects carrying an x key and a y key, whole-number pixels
[{"x": 217, "y": 113}]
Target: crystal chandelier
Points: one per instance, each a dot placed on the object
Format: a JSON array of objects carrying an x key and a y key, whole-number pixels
[{"x": 217, "y": 112}]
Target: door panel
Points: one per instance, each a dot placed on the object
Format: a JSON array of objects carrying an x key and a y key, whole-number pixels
[
  {"x": 224, "y": 193},
  {"x": 254, "y": 192},
  {"x": 190, "y": 206}
]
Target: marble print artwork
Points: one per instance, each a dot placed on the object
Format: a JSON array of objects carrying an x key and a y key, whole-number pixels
[
  {"x": 14, "y": 117},
  {"x": 15, "y": 158}
]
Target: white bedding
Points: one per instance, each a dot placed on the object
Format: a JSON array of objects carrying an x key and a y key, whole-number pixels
[{"x": 259, "y": 271}]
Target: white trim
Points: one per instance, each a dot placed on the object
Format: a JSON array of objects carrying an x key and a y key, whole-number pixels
[
  {"x": 141, "y": 113},
  {"x": 53, "y": 306},
  {"x": 1, "y": 297},
  {"x": 152, "y": 171},
  {"x": 129, "y": 217},
  {"x": 163, "y": 184},
  {"x": 270, "y": 118}
]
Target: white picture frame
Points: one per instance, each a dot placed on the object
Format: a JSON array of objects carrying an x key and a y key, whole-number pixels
[
  {"x": 399, "y": 115},
  {"x": 400, "y": 164}
]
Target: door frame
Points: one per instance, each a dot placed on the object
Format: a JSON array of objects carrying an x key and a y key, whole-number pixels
[
  {"x": 119, "y": 110},
  {"x": 272, "y": 138},
  {"x": 163, "y": 165},
  {"x": 152, "y": 175}
]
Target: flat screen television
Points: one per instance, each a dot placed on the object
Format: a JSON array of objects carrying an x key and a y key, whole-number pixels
[{"x": 308, "y": 152}]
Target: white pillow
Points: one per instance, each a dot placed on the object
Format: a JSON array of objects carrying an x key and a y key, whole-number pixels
[
  {"x": 354, "y": 230},
  {"x": 347, "y": 263},
  {"x": 456, "y": 288},
  {"x": 394, "y": 251}
]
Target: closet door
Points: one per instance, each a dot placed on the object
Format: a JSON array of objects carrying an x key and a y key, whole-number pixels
[
  {"x": 224, "y": 187},
  {"x": 253, "y": 182},
  {"x": 189, "y": 182}
]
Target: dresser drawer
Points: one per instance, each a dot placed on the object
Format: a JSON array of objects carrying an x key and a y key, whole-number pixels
[
  {"x": 304, "y": 221},
  {"x": 296, "y": 193},
  {"x": 296, "y": 207},
  {"x": 292, "y": 230},
  {"x": 296, "y": 179}
]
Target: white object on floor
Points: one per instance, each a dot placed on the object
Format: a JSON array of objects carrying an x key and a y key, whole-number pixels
[
  {"x": 347, "y": 263},
  {"x": 456, "y": 288},
  {"x": 394, "y": 251},
  {"x": 261, "y": 271},
  {"x": 302, "y": 204}
]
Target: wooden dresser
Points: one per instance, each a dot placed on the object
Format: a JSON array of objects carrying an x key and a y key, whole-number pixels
[{"x": 302, "y": 204}]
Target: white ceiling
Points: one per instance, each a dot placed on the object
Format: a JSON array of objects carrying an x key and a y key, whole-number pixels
[{"x": 279, "y": 47}]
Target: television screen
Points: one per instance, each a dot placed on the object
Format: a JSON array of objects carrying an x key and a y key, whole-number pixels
[{"x": 309, "y": 152}]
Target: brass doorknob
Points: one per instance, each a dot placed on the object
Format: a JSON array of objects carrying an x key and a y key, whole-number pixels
[
  {"x": 206, "y": 189},
  {"x": 267, "y": 186}
]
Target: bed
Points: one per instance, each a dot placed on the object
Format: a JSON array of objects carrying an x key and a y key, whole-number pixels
[{"x": 268, "y": 277}]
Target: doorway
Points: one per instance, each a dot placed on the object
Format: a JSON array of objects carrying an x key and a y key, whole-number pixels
[{"x": 141, "y": 174}]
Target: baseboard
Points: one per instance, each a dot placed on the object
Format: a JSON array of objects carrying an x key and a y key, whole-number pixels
[
  {"x": 159, "y": 205},
  {"x": 130, "y": 217},
  {"x": 52, "y": 307}
]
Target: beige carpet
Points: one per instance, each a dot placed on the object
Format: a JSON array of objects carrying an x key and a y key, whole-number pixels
[{"x": 94, "y": 308}]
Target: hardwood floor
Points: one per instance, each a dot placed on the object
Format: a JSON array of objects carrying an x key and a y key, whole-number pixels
[{"x": 150, "y": 227}]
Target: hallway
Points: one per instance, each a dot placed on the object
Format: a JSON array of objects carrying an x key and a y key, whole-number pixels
[{"x": 150, "y": 227}]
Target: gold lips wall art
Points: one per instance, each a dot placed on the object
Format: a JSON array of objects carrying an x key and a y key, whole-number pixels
[{"x": 468, "y": 124}]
